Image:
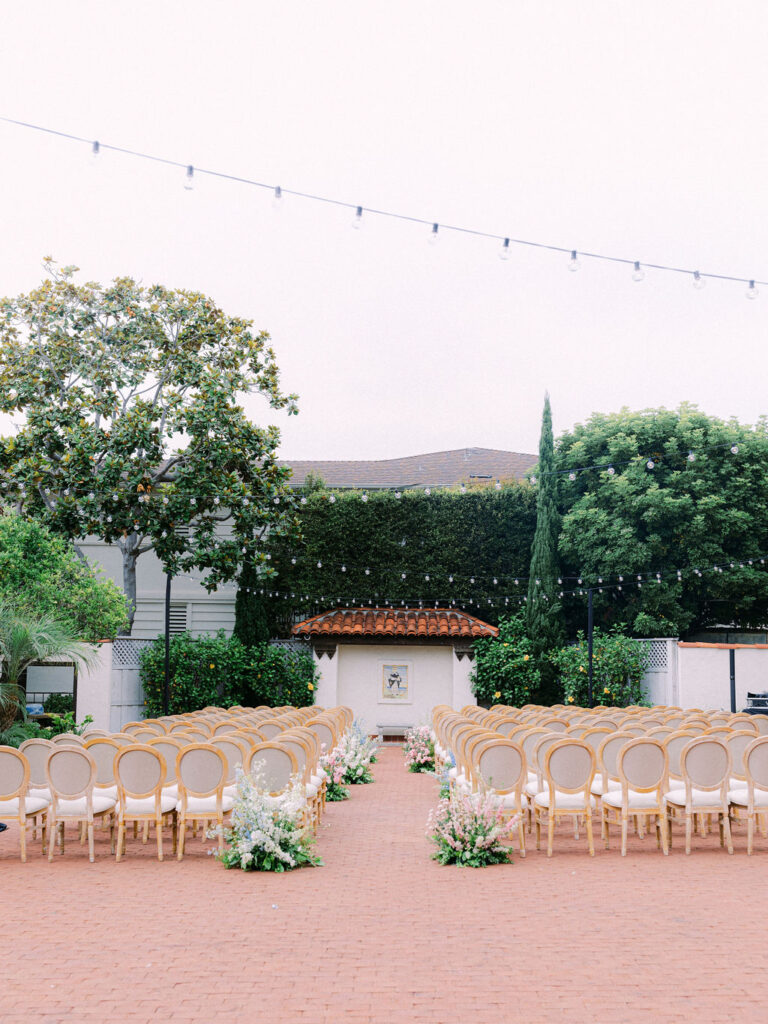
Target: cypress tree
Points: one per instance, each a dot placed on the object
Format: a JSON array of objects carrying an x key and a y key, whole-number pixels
[
  {"x": 251, "y": 625},
  {"x": 544, "y": 618}
]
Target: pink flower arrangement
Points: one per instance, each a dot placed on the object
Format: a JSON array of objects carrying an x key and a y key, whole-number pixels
[
  {"x": 419, "y": 749},
  {"x": 467, "y": 829}
]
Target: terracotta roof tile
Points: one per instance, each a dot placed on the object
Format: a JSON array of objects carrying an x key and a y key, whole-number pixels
[
  {"x": 435, "y": 469},
  {"x": 395, "y": 623}
]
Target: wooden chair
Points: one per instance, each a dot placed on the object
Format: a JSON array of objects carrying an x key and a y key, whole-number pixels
[
  {"x": 72, "y": 773},
  {"x": 68, "y": 739},
  {"x": 569, "y": 767},
  {"x": 705, "y": 766},
  {"x": 641, "y": 766},
  {"x": 752, "y": 802},
  {"x": 36, "y": 751},
  {"x": 500, "y": 765},
  {"x": 273, "y": 767},
  {"x": 140, "y": 773},
  {"x": 15, "y": 801},
  {"x": 201, "y": 771}
]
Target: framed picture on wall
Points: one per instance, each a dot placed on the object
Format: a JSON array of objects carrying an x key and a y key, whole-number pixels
[{"x": 396, "y": 683}]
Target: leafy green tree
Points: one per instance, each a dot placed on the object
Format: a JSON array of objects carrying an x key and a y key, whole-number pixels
[
  {"x": 26, "y": 639},
  {"x": 666, "y": 490},
  {"x": 41, "y": 574},
  {"x": 506, "y": 670},
  {"x": 543, "y": 611},
  {"x": 132, "y": 429}
]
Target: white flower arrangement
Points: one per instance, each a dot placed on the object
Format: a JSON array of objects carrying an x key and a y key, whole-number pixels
[{"x": 267, "y": 833}]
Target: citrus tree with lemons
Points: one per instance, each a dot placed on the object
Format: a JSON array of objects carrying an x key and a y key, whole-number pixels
[
  {"x": 618, "y": 666},
  {"x": 505, "y": 670}
]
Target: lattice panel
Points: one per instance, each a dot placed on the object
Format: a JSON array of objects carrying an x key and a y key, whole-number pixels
[
  {"x": 657, "y": 662},
  {"x": 126, "y": 650}
]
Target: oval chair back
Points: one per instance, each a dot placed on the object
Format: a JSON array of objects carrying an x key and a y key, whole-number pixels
[
  {"x": 501, "y": 765},
  {"x": 168, "y": 748},
  {"x": 298, "y": 747},
  {"x": 14, "y": 775},
  {"x": 325, "y": 735},
  {"x": 756, "y": 765},
  {"x": 228, "y": 725},
  {"x": 201, "y": 770},
  {"x": 140, "y": 772},
  {"x": 36, "y": 752},
  {"x": 504, "y": 724},
  {"x": 737, "y": 742},
  {"x": 270, "y": 728},
  {"x": 122, "y": 739},
  {"x": 68, "y": 739},
  {"x": 103, "y": 752},
  {"x": 705, "y": 764},
  {"x": 761, "y": 722},
  {"x": 553, "y": 723},
  {"x": 673, "y": 745},
  {"x": 641, "y": 765},
  {"x": 569, "y": 767},
  {"x": 743, "y": 721},
  {"x": 235, "y": 751},
  {"x": 272, "y": 767}
]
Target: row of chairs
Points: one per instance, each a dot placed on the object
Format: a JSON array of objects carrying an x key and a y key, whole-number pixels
[
  {"x": 555, "y": 769},
  {"x": 174, "y": 772}
]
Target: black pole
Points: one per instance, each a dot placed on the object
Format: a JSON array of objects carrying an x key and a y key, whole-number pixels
[
  {"x": 590, "y": 630},
  {"x": 167, "y": 681},
  {"x": 732, "y": 659}
]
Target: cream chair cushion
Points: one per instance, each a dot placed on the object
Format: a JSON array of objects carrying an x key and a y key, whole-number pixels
[
  {"x": 741, "y": 796},
  {"x": 32, "y": 805},
  {"x": 206, "y": 804},
  {"x": 635, "y": 800},
  {"x": 699, "y": 797},
  {"x": 79, "y": 806},
  {"x": 564, "y": 801},
  {"x": 146, "y": 804}
]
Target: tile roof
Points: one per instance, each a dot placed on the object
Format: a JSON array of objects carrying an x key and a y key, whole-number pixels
[
  {"x": 395, "y": 623},
  {"x": 435, "y": 469}
]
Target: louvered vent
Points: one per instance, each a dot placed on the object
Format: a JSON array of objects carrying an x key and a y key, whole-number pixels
[{"x": 178, "y": 618}]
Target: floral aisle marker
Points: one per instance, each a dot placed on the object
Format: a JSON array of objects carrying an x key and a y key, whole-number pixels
[
  {"x": 467, "y": 829},
  {"x": 267, "y": 833},
  {"x": 358, "y": 751},
  {"x": 419, "y": 749},
  {"x": 334, "y": 767}
]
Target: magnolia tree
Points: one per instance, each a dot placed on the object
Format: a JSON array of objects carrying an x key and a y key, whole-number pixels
[{"x": 132, "y": 430}]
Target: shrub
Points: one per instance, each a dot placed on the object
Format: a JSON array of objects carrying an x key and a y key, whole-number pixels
[
  {"x": 59, "y": 703},
  {"x": 506, "y": 670},
  {"x": 467, "y": 828},
  {"x": 219, "y": 670},
  {"x": 618, "y": 666}
]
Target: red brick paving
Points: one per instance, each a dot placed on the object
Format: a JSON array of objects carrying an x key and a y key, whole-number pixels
[{"x": 384, "y": 934}]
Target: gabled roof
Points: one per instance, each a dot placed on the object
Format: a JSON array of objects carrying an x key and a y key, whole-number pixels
[
  {"x": 436, "y": 469},
  {"x": 395, "y": 623}
]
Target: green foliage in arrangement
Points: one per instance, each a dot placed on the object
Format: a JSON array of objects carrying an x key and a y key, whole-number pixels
[
  {"x": 683, "y": 513},
  {"x": 618, "y": 661},
  {"x": 479, "y": 535},
  {"x": 220, "y": 670},
  {"x": 506, "y": 669},
  {"x": 43, "y": 576},
  {"x": 133, "y": 429}
]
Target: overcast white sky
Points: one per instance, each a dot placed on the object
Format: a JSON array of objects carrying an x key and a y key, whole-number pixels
[{"x": 606, "y": 125}]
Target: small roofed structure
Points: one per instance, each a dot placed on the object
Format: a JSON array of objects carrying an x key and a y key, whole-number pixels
[{"x": 392, "y": 665}]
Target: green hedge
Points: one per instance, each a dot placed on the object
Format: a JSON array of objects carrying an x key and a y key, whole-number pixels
[
  {"x": 219, "y": 670},
  {"x": 482, "y": 534}
]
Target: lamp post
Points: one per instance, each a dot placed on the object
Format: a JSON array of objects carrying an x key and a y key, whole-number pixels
[
  {"x": 167, "y": 679},
  {"x": 590, "y": 630}
]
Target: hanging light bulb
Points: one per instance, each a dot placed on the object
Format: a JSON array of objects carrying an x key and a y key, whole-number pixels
[
  {"x": 650, "y": 464},
  {"x": 573, "y": 262},
  {"x": 638, "y": 273},
  {"x": 433, "y": 238},
  {"x": 189, "y": 178},
  {"x": 571, "y": 476},
  {"x": 357, "y": 220},
  {"x": 277, "y": 198},
  {"x": 504, "y": 250},
  {"x": 752, "y": 291},
  {"x": 734, "y": 449},
  {"x": 611, "y": 471},
  {"x": 95, "y": 150},
  {"x": 698, "y": 280},
  {"x": 691, "y": 456}
]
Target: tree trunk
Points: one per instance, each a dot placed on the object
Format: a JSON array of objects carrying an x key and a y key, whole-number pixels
[{"x": 128, "y": 546}]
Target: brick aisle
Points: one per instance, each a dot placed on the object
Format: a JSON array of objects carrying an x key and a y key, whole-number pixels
[{"x": 383, "y": 934}]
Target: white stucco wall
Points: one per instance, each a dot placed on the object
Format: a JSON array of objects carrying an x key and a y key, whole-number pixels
[
  {"x": 94, "y": 689},
  {"x": 704, "y": 676},
  {"x": 432, "y": 681}
]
